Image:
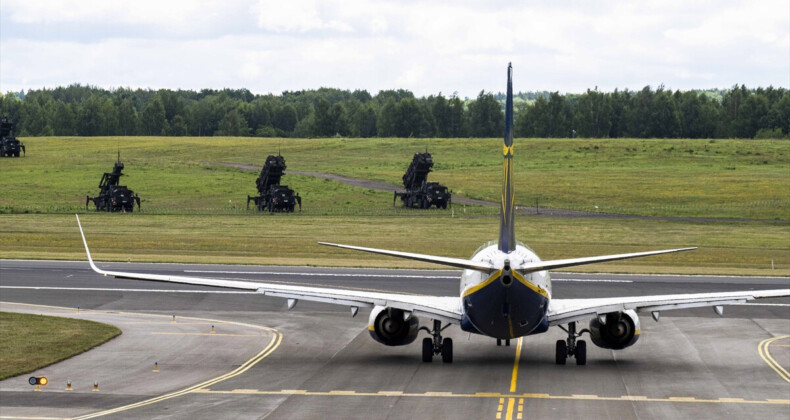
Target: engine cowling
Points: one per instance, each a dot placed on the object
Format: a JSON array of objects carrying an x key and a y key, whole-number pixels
[
  {"x": 621, "y": 330},
  {"x": 392, "y": 327}
]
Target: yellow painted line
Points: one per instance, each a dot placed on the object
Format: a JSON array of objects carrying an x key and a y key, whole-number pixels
[
  {"x": 514, "y": 377},
  {"x": 503, "y": 396},
  {"x": 391, "y": 393},
  {"x": 214, "y": 334},
  {"x": 244, "y": 391},
  {"x": 510, "y": 402},
  {"x": 520, "y": 408},
  {"x": 273, "y": 344},
  {"x": 781, "y": 345},
  {"x": 762, "y": 349}
]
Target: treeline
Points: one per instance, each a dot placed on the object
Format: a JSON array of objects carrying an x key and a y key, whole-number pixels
[{"x": 89, "y": 111}]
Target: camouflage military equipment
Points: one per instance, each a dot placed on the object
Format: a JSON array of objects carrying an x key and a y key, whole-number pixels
[
  {"x": 114, "y": 197},
  {"x": 9, "y": 145},
  {"x": 419, "y": 191},
  {"x": 273, "y": 196}
]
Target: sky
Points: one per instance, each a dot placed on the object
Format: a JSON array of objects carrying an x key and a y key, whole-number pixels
[{"x": 429, "y": 47}]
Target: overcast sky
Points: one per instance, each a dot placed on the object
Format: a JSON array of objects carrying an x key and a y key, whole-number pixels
[{"x": 424, "y": 46}]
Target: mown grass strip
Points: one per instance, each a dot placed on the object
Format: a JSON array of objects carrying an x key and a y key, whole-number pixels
[
  {"x": 31, "y": 342},
  {"x": 724, "y": 248}
]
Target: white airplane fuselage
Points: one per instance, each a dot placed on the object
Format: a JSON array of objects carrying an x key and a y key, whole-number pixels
[{"x": 505, "y": 304}]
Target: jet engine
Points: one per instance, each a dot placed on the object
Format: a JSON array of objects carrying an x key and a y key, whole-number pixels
[
  {"x": 393, "y": 327},
  {"x": 620, "y": 330}
]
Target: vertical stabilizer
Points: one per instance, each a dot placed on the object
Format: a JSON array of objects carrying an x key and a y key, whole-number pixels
[{"x": 507, "y": 235}]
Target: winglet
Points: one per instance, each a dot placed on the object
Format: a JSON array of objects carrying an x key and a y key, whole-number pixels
[{"x": 88, "y": 251}]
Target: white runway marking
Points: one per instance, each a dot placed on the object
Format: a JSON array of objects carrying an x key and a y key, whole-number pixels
[{"x": 400, "y": 276}]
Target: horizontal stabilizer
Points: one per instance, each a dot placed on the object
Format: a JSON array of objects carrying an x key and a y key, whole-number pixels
[
  {"x": 451, "y": 262},
  {"x": 571, "y": 262}
]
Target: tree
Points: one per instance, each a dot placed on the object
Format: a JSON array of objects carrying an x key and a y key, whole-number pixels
[
  {"x": 485, "y": 116},
  {"x": 153, "y": 120},
  {"x": 365, "y": 122},
  {"x": 285, "y": 119},
  {"x": 128, "y": 120},
  {"x": 592, "y": 116},
  {"x": 89, "y": 117},
  {"x": 233, "y": 124}
]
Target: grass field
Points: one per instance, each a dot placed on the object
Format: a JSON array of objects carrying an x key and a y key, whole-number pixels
[
  {"x": 696, "y": 178},
  {"x": 193, "y": 209},
  {"x": 725, "y": 248},
  {"x": 30, "y": 342}
]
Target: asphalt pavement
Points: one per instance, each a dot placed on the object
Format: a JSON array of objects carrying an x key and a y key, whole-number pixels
[{"x": 316, "y": 361}]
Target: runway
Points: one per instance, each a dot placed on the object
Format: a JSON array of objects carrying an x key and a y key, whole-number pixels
[{"x": 317, "y": 361}]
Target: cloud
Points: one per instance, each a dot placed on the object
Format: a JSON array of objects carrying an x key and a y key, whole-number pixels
[{"x": 426, "y": 47}]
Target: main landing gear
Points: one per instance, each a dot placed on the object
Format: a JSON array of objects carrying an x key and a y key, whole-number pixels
[
  {"x": 499, "y": 342},
  {"x": 572, "y": 348},
  {"x": 437, "y": 345}
]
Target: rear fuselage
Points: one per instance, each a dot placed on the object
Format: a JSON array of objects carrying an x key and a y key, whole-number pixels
[{"x": 505, "y": 303}]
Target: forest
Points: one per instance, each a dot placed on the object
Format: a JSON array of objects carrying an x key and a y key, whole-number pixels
[{"x": 78, "y": 110}]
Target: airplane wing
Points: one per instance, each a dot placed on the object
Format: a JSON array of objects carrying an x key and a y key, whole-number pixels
[
  {"x": 443, "y": 308},
  {"x": 563, "y": 311}
]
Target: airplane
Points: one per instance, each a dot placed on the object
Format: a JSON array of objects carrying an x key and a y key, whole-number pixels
[{"x": 505, "y": 292}]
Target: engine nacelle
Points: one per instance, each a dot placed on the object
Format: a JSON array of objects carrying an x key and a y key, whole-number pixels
[
  {"x": 393, "y": 327},
  {"x": 621, "y": 330}
]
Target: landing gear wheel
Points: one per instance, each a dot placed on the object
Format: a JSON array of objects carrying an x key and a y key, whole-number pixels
[
  {"x": 571, "y": 347},
  {"x": 498, "y": 342},
  {"x": 507, "y": 343},
  {"x": 581, "y": 352},
  {"x": 447, "y": 350},
  {"x": 562, "y": 352},
  {"x": 435, "y": 344},
  {"x": 427, "y": 350}
]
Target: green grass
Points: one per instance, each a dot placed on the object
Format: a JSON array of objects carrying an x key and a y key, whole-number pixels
[
  {"x": 725, "y": 248},
  {"x": 31, "y": 342},
  {"x": 695, "y": 178}
]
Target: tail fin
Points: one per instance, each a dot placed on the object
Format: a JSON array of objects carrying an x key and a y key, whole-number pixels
[{"x": 507, "y": 234}]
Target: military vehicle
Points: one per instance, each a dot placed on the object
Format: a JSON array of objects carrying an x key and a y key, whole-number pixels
[
  {"x": 420, "y": 192},
  {"x": 113, "y": 197},
  {"x": 273, "y": 196},
  {"x": 9, "y": 145}
]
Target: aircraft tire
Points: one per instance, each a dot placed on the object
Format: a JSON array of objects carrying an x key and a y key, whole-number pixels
[
  {"x": 581, "y": 353},
  {"x": 447, "y": 350},
  {"x": 562, "y": 352},
  {"x": 427, "y": 350}
]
